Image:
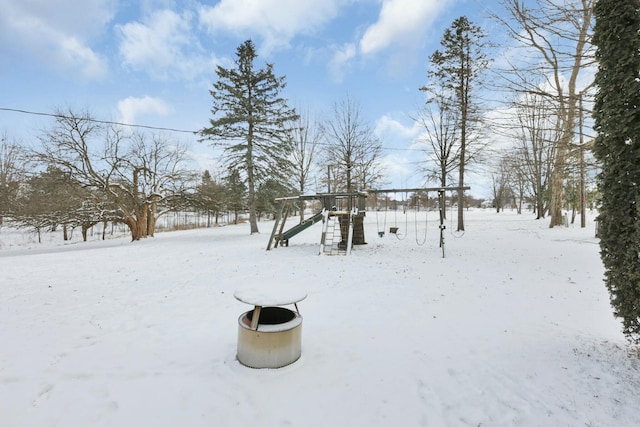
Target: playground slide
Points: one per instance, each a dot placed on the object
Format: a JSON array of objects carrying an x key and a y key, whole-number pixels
[{"x": 301, "y": 227}]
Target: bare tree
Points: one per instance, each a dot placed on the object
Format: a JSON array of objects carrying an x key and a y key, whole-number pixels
[
  {"x": 351, "y": 146},
  {"x": 165, "y": 176},
  {"x": 558, "y": 34},
  {"x": 442, "y": 134},
  {"x": 518, "y": 182},
  {"x": 51, "y": 199},
  {"x": 501, "y": 183},
  {"x": 537, "y": 139},
  {"x": 12, "y": 172},
  {"x": 131, "y": 174},
  {"x": 305, "y": 135}
]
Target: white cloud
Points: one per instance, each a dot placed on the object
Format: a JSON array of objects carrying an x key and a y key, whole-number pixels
[
  {"x": 400, "y": 171},
  {"x": 276, "y": 21},
  {"x": 164, "y": 46},
  {"x": 341, "y": 61},
  {"x": 400, "y": 21},
  {"x": 399, "y": 162},
  {"x": 74, "y": 53},
  {"x": 58, "y": 32},
  {"x": 81, "y": 18},
  {"x": 130, "y": 108},
  {"x": 388, "y": 126}
]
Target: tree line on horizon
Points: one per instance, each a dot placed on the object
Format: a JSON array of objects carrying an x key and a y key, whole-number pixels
[{"x": 268, "y": 144}]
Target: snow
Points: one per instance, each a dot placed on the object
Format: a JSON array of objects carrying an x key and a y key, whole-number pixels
[
  {"x": 512, "y": 328},
  {"x": 273, "y": 295}
]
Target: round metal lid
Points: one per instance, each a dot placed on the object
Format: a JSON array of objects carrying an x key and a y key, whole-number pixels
[{"x": 270, "y": 296}]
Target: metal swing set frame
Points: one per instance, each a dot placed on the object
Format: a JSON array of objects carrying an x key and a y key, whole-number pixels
[{"x": 441, "y": 203}]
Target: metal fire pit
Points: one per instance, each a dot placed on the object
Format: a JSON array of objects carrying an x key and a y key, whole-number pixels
[{"x": 269, "y": 336}]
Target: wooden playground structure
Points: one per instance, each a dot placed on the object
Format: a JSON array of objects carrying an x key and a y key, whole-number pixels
[
  {"x": 343, "y": 221},
  {"x": 343, "y": 218}
]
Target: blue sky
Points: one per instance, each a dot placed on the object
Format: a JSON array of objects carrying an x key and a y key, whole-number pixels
[{"x": 152, "y": 62}]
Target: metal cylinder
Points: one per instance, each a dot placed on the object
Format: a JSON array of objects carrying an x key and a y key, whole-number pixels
[{"x": 276, "y": 342}]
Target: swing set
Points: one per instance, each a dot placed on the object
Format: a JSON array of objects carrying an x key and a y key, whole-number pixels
[{"x": 420, "y": 239}]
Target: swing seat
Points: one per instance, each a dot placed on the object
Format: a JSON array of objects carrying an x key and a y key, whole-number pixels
[
  {"x": 381, "y": 233},
  {"x": 393, "y": 230}
]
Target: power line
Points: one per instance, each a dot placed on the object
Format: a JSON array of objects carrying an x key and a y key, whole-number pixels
[{"x": 106, "y": 122}]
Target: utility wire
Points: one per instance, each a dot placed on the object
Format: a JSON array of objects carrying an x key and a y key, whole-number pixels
[{"x": 106, "y": 122}]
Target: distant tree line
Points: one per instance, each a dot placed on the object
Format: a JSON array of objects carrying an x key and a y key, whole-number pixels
[
  {"x": 47, "y": 191},
  {"x": 84, "y": 172},
  {"x": 268, "y": 148},
  {"x": 267, "y": 144}
]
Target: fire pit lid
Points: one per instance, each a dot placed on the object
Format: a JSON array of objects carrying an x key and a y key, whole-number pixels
[{"x": 269, "y": 296}]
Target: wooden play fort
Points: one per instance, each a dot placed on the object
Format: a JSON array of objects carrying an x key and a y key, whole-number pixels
[{"x": 343, "y": 222}]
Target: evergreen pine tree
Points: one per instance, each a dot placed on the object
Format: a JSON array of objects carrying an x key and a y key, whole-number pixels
[
  {"x": 210, "y": 197},
  {"x": 457, "y": 69},
  {"x": 617, "y": 147},
  {"x": 235, "y": 194},
  {"x": 250, "y": 121}
]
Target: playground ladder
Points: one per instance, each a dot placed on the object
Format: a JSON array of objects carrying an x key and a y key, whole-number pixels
[{"x": 331, "y": 242}]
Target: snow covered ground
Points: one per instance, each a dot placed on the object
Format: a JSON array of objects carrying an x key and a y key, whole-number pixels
[{"x": 512, "y": 328}]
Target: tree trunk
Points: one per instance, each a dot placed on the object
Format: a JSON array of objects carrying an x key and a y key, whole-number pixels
[
  {"x": 443, "y": 184},
  {"x": 137, "y": 225},
  {"x": 559, "y": 166},
  {"x": 302, "y": 203},
  {"x": 539, "y": 199},
  {"x": 133, "y": 228},
  {"x": 151, "y": 219},
  {"x": 253, "y": 219},
  {"x": 557, "y": 184},
  {"x": 461, "y": 178},
  {"x": 465, "y": 77}
]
